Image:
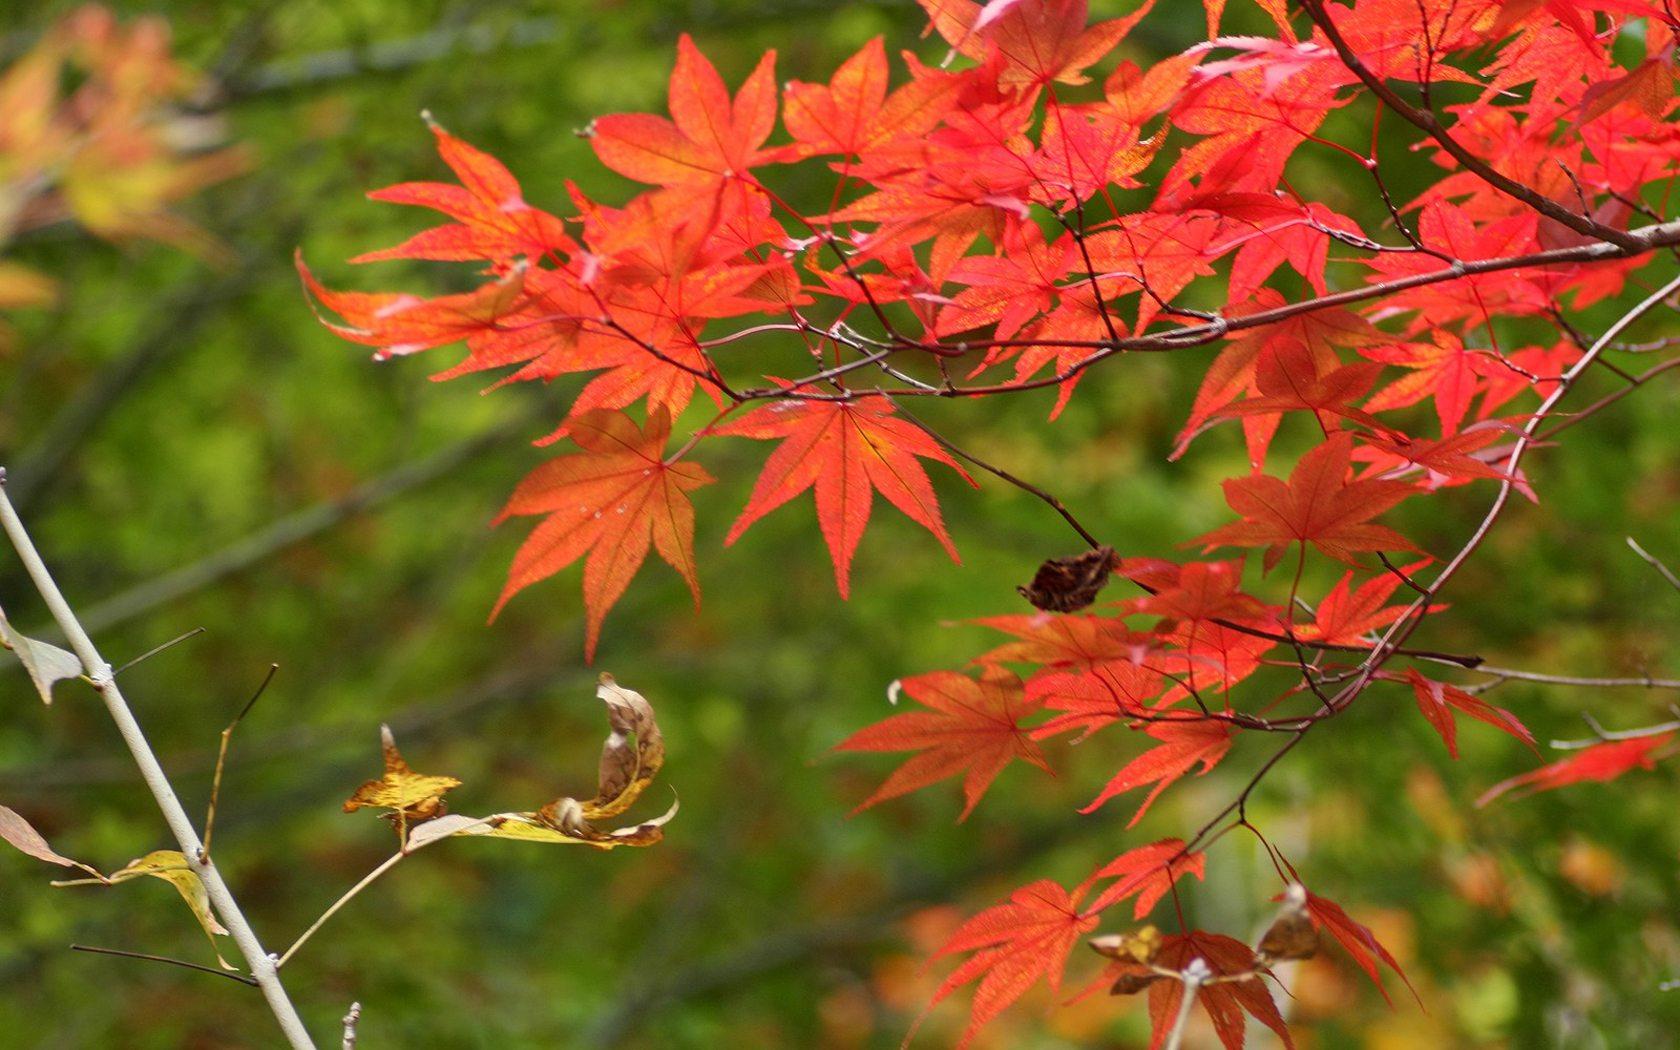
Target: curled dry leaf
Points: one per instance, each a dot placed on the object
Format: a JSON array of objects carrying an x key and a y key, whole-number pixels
[
  {"x": 47, "y": 664},
  {"x": 413, "y": 798},
  {"x": 1292, "y": 935},
  {"x": 630, "y": 759},
  {"x": 1070, "y": 584},
  {"x": 18, "y": 833},
  {"x": 172, "y": 867}
]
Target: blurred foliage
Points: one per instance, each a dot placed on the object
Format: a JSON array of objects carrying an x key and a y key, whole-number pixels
[{"x": 167, "y": 408}]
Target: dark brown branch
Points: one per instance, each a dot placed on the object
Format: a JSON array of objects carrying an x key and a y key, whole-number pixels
[{"x": 250, "y": 982}]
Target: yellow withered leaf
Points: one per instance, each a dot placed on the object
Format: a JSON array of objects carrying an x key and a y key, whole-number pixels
[
  {"x": 413, "y": 798},
  {"x": 630, "y": 759},
  {"x": 172, "y": 867}
]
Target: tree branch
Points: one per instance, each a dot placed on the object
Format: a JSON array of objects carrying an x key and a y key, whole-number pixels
[{"x": 261, "y": 965}]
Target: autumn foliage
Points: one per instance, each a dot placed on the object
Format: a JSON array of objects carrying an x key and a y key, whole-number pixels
[{"x": 1033, "y": 208}]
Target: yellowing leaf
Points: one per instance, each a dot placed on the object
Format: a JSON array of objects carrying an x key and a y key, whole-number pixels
[
  {"x": 47, "y": 664},
  {"x": 172, "y": 867},
  {"x": 412, "y": 798},
  {"x": 630, "y": 759}
]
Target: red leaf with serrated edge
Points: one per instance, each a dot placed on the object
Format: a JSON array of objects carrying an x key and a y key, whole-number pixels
[
  {"x": 1438, "y": 700},
  {"x": 708, "y": 139},
  {"x": 492, "y": 220},
  {"x": 1318, "y": 505},
  {"x": 1359, "y": 942},
  {"x": 1062, "y": 640},
  {"x": 610, "y": 501},
  {"x": 1598, "y": 763},
  {"x": 847, "y": 451},
  {"x": 1039, "y": 40},
  {"x": 1094, "y": 697},
  {"x": 853, "y": 112},
  {"x": 970, "y": 727},
  {"x": 1148, "y": 871},
  {"x": 1014, "y": 944},
  {"x": 1223, "y": 1002},
  {"x": 1183, "y": 744},
  {"x": 398, "y": 324},
  {"x": 1346, "y": 614}
]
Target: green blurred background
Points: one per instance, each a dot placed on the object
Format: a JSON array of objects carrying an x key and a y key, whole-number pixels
[{"x": 192, "y": 450}]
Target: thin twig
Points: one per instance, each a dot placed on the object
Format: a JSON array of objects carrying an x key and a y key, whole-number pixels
[
  {"x": 1651, "y": 560},
  {"x": 262, "y": 967},
  {"x": 367, "y": 880},
  {"x": 156, "y": 649},
  {"x": 221, "y": 755},
  {"x": 184, "y": 964}
]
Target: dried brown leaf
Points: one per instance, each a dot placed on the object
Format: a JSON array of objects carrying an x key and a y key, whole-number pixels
[{"x": 18, "y": 833}]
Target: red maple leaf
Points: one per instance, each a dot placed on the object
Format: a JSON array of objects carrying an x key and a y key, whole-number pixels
[
  {"x": 1014, "y": 944},
  {"x": 492, "y": 220},
  {"x": 1438, "y": 700},
  {"x": 1039, "y": 41},
  {"x": 1149, "y": 872},
  {"x": 846, "y": 450},
  {"x": 1094, "y": 697},
  {"x": 853, "y": 112},
  {"x": 1599, "y": 763},
  {"x": 1055, "y": 640},
  {"x": 1346, "y": 614},
  {"x": 1318, "y": 505},
  {"x": 1358, "y": 940},
  {"x": 1223, "y": 1002},
  {"x": 610, "y": 500},
  {"x": 709, "y": 138},
  {"x": 1234, "y": 372},
  {"x": 1184, "y": 742},
  {"x": 397, "y": 324},
  {"x": 970, "y": 727}
]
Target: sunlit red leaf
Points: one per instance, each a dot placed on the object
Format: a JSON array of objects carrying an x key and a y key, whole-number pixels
[
  {"x": 611, "y": 500},
  {"x": 846, "y": 451},
  {"x": 970, "y": 728},
  {"x": 1598, "y": 763}
]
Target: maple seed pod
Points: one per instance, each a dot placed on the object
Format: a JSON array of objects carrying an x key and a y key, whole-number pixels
[
  {"x": 1292, "y": 934},
  {"x": 1070, "y": 584},
  {"x": 1139, "y": 946},
  {"x": 1131, "y": 982}
]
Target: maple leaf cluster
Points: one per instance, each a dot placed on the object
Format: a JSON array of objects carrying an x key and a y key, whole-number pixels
[
  {"x": 91, "y": 135},
  {"x": 1007, "y": 220}
]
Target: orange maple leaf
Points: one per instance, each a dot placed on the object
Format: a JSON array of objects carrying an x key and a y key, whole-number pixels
[
  {"x": 1014, "y": 944},
  {"x": 1318, "y": 505},
  {"x": 971, "y": 727},
  {"x": 847, "y": 450},
  {"x": 708, "y": 138},
  {"x": 492, "y": 220},
  {"x": 611, "y": 500},
  {"x": 1039, "y": 41}
]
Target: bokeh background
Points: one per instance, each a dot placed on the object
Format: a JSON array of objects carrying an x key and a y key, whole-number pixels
[{"x": 192, "y": 450}]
